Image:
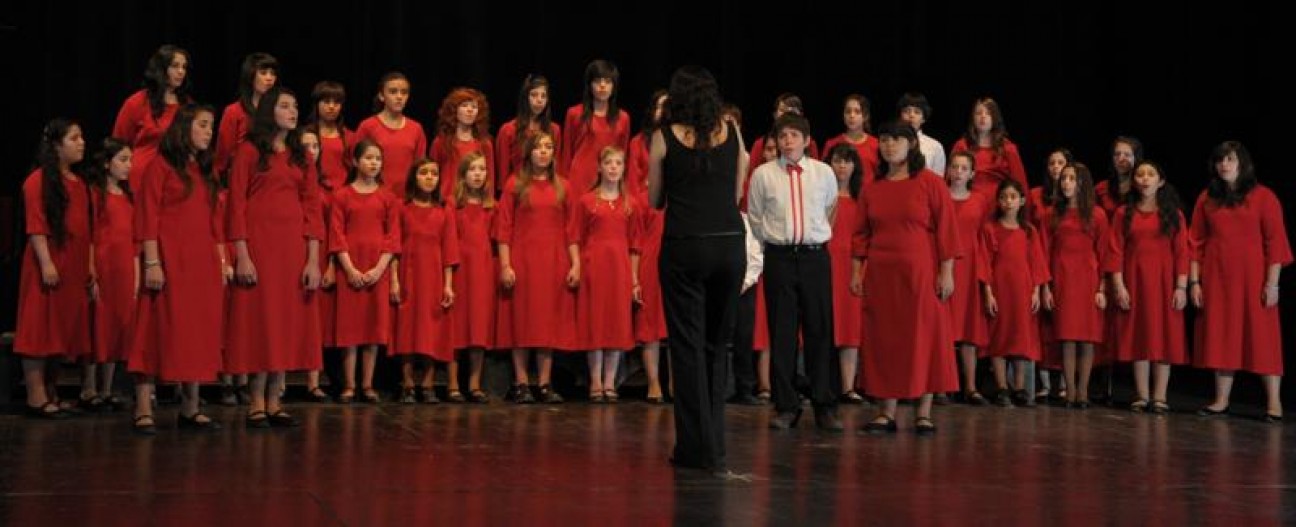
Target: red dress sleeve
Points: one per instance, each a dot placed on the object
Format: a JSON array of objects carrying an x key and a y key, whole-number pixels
[
  {"x": 504, "y": 141},
  {"x": 149, "y": 199},
  {"x": 337, "y": 221},
  {"x": 556, "y": 131},
  {"x": 863, "y": 233},
  {"x": 502, "y": 228},
  {"x": 242, "y": 169},
  {"x": 1102, "y": 229},
  {"x": 232, "y": 127},
  {"x": 1016, "y": 170},
  {"x": 1038, "y": 262},
  {"x": 1114, "y": 261},
  {"x": 312, "y": 203},
  {"x": 987, "y": 247},
  {"x": 33, "y": 197},
  {"x": 573, "y": 125},
  {"x": 634, "y": 226},
  {"x": 1199, "y": 232},
  {"x": 1179, "y": 246},
  {"x": 420, "y": 146},
  {"x": 944, "y": 220},
  {"x": 127, "y": 125},
  {"x": 392, "y": 236},
  {"x": 1277, "y": 249}
]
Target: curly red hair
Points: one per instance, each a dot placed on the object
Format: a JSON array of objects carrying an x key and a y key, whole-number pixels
[{"x": 447, "y": 119}]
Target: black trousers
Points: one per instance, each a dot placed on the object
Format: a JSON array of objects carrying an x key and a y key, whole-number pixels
[
  {"x": 744, "y": 357},
  {"x": 798, "y": 295},
  {"x": 700, "y": 279}
]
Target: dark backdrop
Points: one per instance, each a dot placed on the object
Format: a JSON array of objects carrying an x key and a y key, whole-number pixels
[{"x": 1071, "y": 74}]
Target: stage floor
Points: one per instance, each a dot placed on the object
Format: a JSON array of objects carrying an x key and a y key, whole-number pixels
[{"x": 581, "y": 464}]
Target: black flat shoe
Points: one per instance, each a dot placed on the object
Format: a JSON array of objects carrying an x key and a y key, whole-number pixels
[
  {"x": 281, "y": 419},
  {"x": 1159, "y": 408},
  {"x": 887, "y": 425},
  {"x": 521, "y": 394},
  {"x": 1272, "y": 419},
  {"x": 850, "y": 397},
  {"x": 193, "y": 423},
  {"x": 1206, "y": 411},
  {"x": 257, "y": 419},
  {"x": 46, "y": 411},
  {"x": 548, "y": 395},
  {"x": 478, "y": 397},
  {"x": 786, "y": 420},
  {"x": 428, "y": 396},
  {"x": 148, "y": 429},
  {"x": 924, "y": 426},
  {"x": 975, "y": 399},
  {"x": 826, "y": 419},
  {"x": 318, "y": 395},
  {"x": 456, "y": 397}
]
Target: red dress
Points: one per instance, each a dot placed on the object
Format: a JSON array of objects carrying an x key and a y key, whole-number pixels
[
  {"x": 448, "y": 159},
  {"x": 401, "y": 147},
  {"x": 115, "y": 251},
  {"x": 906, "y": 228},
  {"x": 542, "y": 309},
  {"x": 847, "y": 308},
  {"x": 1150, "y": 261},
  {"x": 1013, "y": 264},
  {"x": 637, "y": 167},
  {"x": 1235, "y": 246},
  {"x": 55, "y": 322},
  {"x": 868, "y": 153},
  {"x": 429, "y": 244},
  {"x": 993, "y": 167},
  {"x": 579, "y": 158},
  {"x": 650, "y": 316},
  {"x": 508, "y": 150},
  {"x": 273, "y": 325},
  {"x": 335, "y": 158},
  {"x": 364, "y": 226},
  {"x": 1106, "y": 352},
  {"x": 136, "y": 125},
  {"x": 1074, "y": 256},
  {"x": 607, "y": 231},
  {"x": 234, "y": 124},
  {"x": 326, "y": 299},
  {"x": 178, "y": 334},
  {"x": 476, "y": 279},
  {"x": 966, "y": 306}
]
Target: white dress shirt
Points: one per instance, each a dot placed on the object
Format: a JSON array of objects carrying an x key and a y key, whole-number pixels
[
  {"x": 933, "y": 152},
  {"x": 790, "y": 207},
  {"x": 755, "y": 257}
]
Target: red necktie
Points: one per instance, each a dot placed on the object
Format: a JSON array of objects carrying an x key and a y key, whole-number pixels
[{"x": 793, "y": 169}]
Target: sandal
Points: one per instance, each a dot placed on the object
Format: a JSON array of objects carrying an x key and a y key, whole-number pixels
[
  {"x": 611, "y": 396},
  {"x": 764, "y": 396},
  {"x": 548, "y": 395},
  {"x": 478, "y": 397},
  {"x": 47, "y": 411},
  {"x": 370, "y": 396},
  {"x": 257, "y": 419},
  {"x": 1160, "y": 407},
  {"x": 407, "y": 395},
  {"x": 521, "y": 394},
  {"x": 347, "y": 395},
  {"x": 456, "y": 396},
  {"x": 142, "y": 428},
  {"x": 596, "y": 397},
  {"x": 197, "y": 422},
  {"x": 94, "y": 403},
  {"x": 882, "y": 424},
  {"x": 924, "y": 426},
  {"x": 850, "y": 397},
  {"x": 281, "y": 419},
  {"x": 317, "y": 395},
  {"x": 1139, "y": 406},
  {"x": 427, "y": 395},
  {"x": 974, "y": 398}
]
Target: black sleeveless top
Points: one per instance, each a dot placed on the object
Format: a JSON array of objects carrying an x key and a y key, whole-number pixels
[{"x": 699, "y": 188}]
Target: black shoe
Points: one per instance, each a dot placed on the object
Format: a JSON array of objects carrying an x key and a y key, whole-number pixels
[
  {"x": 826, "y": 419},
  {"x": 192, "y": 423},
  {"x": 1139, "y": 406},
  {"x": 257, "y": 419},
  {"x": 227, "y": 396},
  {"x": 1003, "y": 398},
  {"x": 887, "y": 425},
  {"x": 428, "y": 396},
  {"x": 1206, "y": 411},
  {"x": 746, "y": 399},
  {"x": 281, "y": 419},
  {"x": 1021, "y": 398},
  {"x": 317, "y": 395},
  {"x": 456, "y": 397},
  {"x": 148, "y": 429},
  {"x": 478, "y": 397},
  {"x": 924, "y": 426},
  {"x": 850, "y": 397},
  {"x": 521, "y": 394},
  {"x": 547, "y": 395},
  {"x": 1159, "y": 408},
  {"x": 940, "y": 399},
  {"x": 47, "y": 411},
  {"x": 407, "y": 395},
  {"x": 786, "y": 420},
  {"x": 1272, "y": 419},
  {"x": 974, "y": 399}
]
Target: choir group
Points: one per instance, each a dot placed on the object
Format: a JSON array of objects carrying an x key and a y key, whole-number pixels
[{"x": 195, "y": 245}]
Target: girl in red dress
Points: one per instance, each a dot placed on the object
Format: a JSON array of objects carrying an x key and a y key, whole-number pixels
[
  {"x": 539, "y": 268},
  {"x": 1239, "y": 249},
  {"x": 1012, "y": 270},
  {"x": 649, "y": 313},
  {"x": 274, "y": 211},
  {"x": 605, "y": 223},
  {"x": 259, "y": 73},
  {"x": 1039, "y": 202},
  {"x": 533, "y": 115},
  {"x": 1147, "y": 257},
  {"x": 997, "y": 159},
  {"x": 365, "y": 236},
  {"x": 908, "y": 237},
  {"x": 849, "y": 169},
  {"x": 422, "y": 283},
  {"x": 462, "y": 128},
  {"x": 178, "y": 326},
  {"x": 476, "y": 280},
  {"x": 53, "y": 294},
  {"x": 1111, "y": 193},
  {"x": 400, "y": 137},
  {"x": 967, "y": 309},
  {"x": 1075, "y": 231},
  {"x": 146, "y": 114},
  {"x": 593, "y": 124},
  {"x": 325, "y": 294},
  {"x": 856, "y": 113},
  {"x": 116, "y": 264}
]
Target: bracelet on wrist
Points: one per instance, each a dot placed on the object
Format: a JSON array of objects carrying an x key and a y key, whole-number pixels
[{"x": 152, "y": 263}]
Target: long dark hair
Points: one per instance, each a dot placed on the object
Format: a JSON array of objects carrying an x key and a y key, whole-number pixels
[
  {"x": 1219, "y": 190},
  {"x": 178, "y": 147},
  {"x": 98, "y": 172},
  {"x": 651, "y": 125},
  {"x": 412, "y": 190},
  {"x": 1167, "y": 200},
  {"x": 156, "y": 80},
  {"x": 1049, "y": 194},
  {"x": 865, "y": 109},
  {"x": 327, "y": 91},
  {"x": 252, "y": 64},
  {"x": 915, "y": 162},
  {"x": 600, "y": 69},
  {"x": 998, "y": 132},
  {"x": 694, "y": 101},
  {"x": 1022, "y": 212},
  {"x": 1084, "y": 196},
  {"x": 54, "y": 196},
  {"x": 847, "y": 152},
  {"x": 264, "y": 128},
  {"x": 524, "y": 116},
  {"x": 1113, "y": 176}
]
